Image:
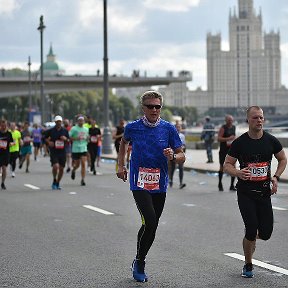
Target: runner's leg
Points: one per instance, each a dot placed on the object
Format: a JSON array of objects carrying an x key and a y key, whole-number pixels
[{"x": 150, "y": 207}]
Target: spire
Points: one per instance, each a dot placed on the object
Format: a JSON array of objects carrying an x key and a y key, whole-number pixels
[
  {"x": 51, "y": 57},
  {"x": 245, "y": 8},
  {"x": 50, "y": 50}
]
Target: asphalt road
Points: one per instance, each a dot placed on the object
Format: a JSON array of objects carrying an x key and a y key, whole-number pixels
[{"x": 49, "y": 239}]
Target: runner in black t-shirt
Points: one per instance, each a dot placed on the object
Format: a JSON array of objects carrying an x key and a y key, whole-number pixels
[
  {"x": 226, "y": 136},
  {"x": 55, "y": 139},
  {"x": 94, "y": 133},
  {"x": 117, "y": 136},
  {"x": 5, "y": 141},
  {"x": 254, "y": 151}
]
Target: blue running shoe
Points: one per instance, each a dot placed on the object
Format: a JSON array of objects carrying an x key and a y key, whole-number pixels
[
  {"x": 58, "y": 186},
  {"x": 137, "y": 268},
  {"x": 54, "y": 186},
  {"x": 247, "y": 271}
]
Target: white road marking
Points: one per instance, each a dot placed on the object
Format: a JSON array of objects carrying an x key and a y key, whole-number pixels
[
  {"x": 188, "y": 205},
  {"x": 259, "y": 263},
  {"x": 32, "y": 186},
  {"x": 98, "y": 210},
  {"x": 279, "y": 208},
  {"x": 73, "y": 193}
]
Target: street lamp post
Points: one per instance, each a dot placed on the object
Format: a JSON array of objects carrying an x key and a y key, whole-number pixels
[
  {"x": 29, "y": 80},
  {"x": 41, "y": 28},
  {"x": 107, "y": 141}
]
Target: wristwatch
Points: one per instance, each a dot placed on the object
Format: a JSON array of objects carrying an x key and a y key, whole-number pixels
[
  {"x": 277, "y": 177},
  {"x": 174, "y": 157}
]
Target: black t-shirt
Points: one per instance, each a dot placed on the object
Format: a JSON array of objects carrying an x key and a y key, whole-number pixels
[
  {"x": 228, "y": 131},
  {"x": 54, "y": 135},
  {"x": 119, "y": 131},
  {"x": 256, "y": 154},
  {"x": 5, "y": 140},
  {"x": 93, "y": 133}
]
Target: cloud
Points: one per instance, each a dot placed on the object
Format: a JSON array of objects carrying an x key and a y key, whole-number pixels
[
  {"x": 79, "y": 68},
  {"x": 89, "y": 11},
  {"x": 284, "y": 50},
  {"x": 225, "y": 45},
  {"x": 120, "y": 19},
  {"x": 171, "y": 5},
  {"x": 8, "y": 6},
  {"x": 284, "y": 63}
]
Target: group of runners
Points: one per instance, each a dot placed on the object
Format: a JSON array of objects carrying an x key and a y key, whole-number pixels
[
  {"x": 156, "y": 143},
  {"x": 157, "y": 147},
  {"x": 81, "y": 142}
]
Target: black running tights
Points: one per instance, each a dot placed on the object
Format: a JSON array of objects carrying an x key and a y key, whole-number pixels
[
  {"x": 13, "y": 158},
  {"x": 150, "y": 206},
  {"x": 93, "y": 150},
  {"x": 172, "y": 170},
  {"x": 257, "y": 215}
]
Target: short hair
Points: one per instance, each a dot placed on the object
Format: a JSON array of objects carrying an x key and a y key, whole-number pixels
[
  {"x": 151, "y": 94},
  {"x": 3, "y": 121},
  {"x": 252, "y": 107},
  {"x": 228, "y": 116}
]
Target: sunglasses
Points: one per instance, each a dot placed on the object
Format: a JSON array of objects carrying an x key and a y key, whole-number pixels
[{"x": 150, "y": 107}]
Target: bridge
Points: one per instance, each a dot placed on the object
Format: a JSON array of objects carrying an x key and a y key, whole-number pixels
[{"x": 19, "y": 86}]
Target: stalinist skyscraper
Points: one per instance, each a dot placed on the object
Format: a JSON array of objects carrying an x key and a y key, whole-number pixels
[{"x": 250, "y": 72}]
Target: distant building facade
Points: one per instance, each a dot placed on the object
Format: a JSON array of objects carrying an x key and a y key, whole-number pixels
[
  {"x": 175, "y": 94},
  {"x": 133, "y": 93},
  {"x": 249, "y": 73}
]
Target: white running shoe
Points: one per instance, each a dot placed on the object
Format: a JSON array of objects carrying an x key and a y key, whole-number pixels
[{"x": 13, "y": 174}]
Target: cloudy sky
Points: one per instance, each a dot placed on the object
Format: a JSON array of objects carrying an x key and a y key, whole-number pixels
[{"x": 149, "y": 35}]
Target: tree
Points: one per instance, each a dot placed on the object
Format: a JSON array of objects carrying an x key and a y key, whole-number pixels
[
  {"x": 128, "y": 108},
  {"x": 166, "y": 114}
]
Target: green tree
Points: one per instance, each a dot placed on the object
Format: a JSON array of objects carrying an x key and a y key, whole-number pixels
[
  {"x": 128, "y": 108},
  {"x": 166, "y": 114}
]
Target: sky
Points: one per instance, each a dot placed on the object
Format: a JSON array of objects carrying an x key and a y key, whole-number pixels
[{"x": 152, "y": 36}]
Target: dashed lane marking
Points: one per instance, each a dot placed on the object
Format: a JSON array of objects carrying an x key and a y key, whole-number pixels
[
  {"x": 188, "y": 205},
  {"x": 259, "y": 263},
  {"x": 32, "y": 186},
  {"x": 98, "y": 210},
  {"x": 279, "y": 208}
]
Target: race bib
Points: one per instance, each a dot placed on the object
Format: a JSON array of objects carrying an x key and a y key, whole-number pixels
[
  {"x": 259, "y": 171},
  {"x": 82, "y": 135},
  {"x": 59, "y": 144},
  {"x": 27, "y": 139},
  {"x": 94, "y": 139},
  {"x": 3, "y": 144},
  {"x": 148, "y": 178}
]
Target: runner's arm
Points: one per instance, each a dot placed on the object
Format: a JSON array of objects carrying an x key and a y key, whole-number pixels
[
  {"x": 220, "y": 137},
  {"x": 282, "y": 162},
  {"x": 229, "y": 167},
  {"x": 178, "y": 152},
  {"x": 122, "y": 172},
  {"x": 180, "y": 155}
]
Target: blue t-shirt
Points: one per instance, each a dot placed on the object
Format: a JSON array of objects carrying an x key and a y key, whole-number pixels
[
  {"x": 37, "y": 135},
  {"x": 147, "y": 154}
]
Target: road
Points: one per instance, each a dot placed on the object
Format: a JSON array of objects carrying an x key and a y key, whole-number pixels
[{"x": 49, "y": 239}]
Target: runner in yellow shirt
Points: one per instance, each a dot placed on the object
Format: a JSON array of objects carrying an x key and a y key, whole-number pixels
[{"x": 14, "y": 149}]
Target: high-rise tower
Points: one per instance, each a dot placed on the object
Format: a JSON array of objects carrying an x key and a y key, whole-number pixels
[{"x": 249, "y": 72}]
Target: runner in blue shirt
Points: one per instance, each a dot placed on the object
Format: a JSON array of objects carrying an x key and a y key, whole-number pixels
[{"x": 154, "y": 141}]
